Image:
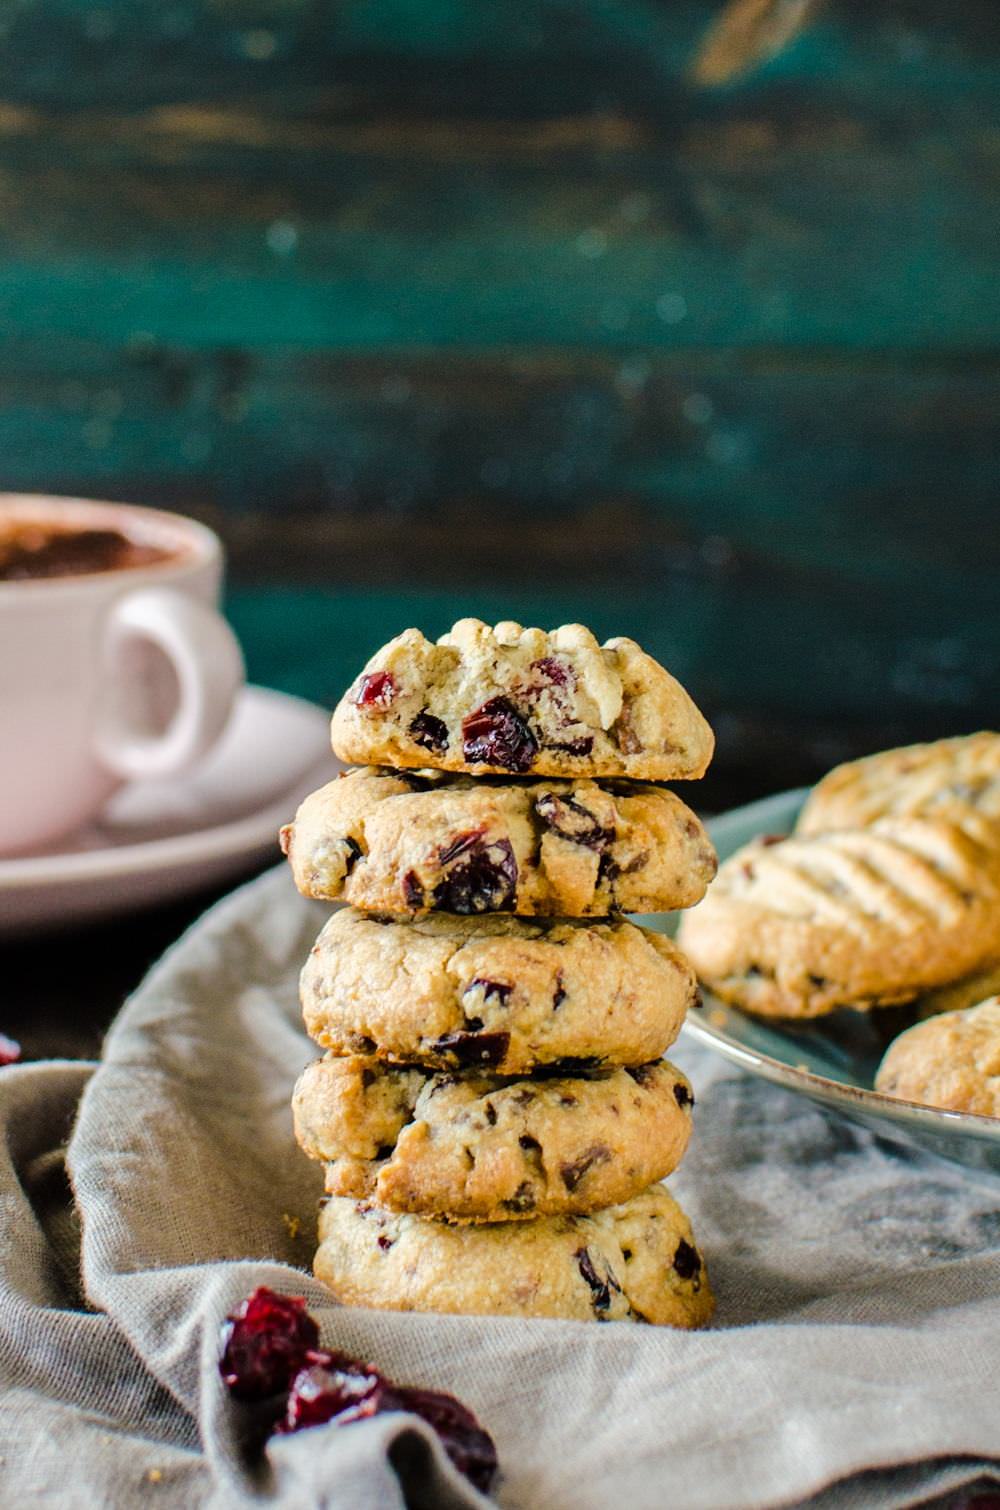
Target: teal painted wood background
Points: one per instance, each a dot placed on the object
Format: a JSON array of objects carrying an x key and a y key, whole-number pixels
[{"x": 431, "y": 304}]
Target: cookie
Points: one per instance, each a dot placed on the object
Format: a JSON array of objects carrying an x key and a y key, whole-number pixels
[
  {"x": 951, "y": 1061},
  {"x": 957, "y": 780},
  {"x": 513, "y": 700},
  {"x": 862, "y": 918},
  {"x": 959, "y": 994},
  {"x": 487, "y": 1149},
  {"x": 402, "y": 842},
  {"x": 495, "y": 993},
  {"x": 633, "y": 1262}
]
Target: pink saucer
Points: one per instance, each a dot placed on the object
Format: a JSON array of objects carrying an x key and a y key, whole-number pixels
[{"x": 157, "y": 840}]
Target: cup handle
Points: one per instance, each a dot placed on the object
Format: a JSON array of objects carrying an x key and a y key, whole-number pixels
[{"x": 208, "y": 667}]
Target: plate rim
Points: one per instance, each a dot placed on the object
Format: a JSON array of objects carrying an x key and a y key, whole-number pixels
[{"x": 808, "y": 1082}]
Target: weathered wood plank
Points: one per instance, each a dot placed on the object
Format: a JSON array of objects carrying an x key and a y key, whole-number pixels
[
  {"x": 852, "y": 247},
  {"x": 530, "y": 57},
  {"x": 490, "y": 299},
  {"x": 791, "y": 533},
  {"x": 475, "y": 180},
  {"x": 815, "y": 457}
]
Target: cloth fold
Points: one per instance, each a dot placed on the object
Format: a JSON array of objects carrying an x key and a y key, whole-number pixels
[{"x": 859, "y": 1287}]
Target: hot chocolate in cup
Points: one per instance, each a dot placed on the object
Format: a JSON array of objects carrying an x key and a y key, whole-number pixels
[{"x": 115, "y": 663}]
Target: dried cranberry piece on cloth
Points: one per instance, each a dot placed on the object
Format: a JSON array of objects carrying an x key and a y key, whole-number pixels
[
  {"x": 265, "y": 1342},
  {"x": 853, "y": 1356},
  {"x": 270, "y": 1346}
]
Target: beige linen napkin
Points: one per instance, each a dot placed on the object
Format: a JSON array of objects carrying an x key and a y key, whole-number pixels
[{"x": 858, "y": 1326}]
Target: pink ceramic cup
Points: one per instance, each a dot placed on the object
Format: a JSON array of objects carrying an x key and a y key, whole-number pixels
[{"x": 107, "y": 676}]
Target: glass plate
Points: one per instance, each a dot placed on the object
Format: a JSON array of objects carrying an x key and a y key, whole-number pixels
[{"x": 833, "y": 1059}]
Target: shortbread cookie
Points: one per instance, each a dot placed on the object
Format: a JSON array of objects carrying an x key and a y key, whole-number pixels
[
  {"x": 957, "y": 780},
  {"x": 951, "y": 1061},
  {"x": 634, "y": 1262},
  {"x": 516, "y": 700},
  {"x": 862, "y": 918},
  {"x": 494, "y": 993},
  {"x": 480, "y": 1148},
  {"x": 959, "y": 994},
  {"x": 401, "y": 842}
]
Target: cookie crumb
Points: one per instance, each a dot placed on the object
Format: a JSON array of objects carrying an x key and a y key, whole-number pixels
[
  {"x": 293, "y": 1225},
  {"x": 154, "y": 1475}
]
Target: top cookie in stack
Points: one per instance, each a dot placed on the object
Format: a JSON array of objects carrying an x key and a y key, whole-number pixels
[
  {"x": 513, "y": 701},
  {"x": 492, "y": 1113}
]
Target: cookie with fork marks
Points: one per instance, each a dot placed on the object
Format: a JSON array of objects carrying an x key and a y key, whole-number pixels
[{"x": 868, "y": 917}]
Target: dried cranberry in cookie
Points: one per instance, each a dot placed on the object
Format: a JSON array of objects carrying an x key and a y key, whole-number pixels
[
  {"x": 429, "y": 732},
  {"x": 479, "y": 876},
  {"x": 571, "y": 820},
  {"x": 510, "y": 700},
  {"x": 375, "y": 691},
  {"x": 496, "y": 734}
]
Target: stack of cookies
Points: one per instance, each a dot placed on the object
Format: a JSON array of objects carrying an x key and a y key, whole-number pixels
[{"x": 493, "y": 1111}]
